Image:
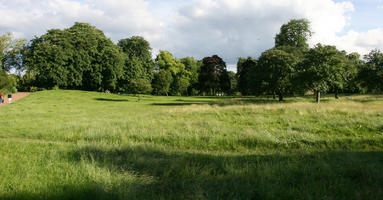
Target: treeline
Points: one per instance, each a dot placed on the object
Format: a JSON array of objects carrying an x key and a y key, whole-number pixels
[{"x": 82, "y": 57}]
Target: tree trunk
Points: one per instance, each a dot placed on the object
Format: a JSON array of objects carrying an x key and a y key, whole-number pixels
[
  {"x": 318, "y": 96},
  {"x": 274, "y": 96},
  {"x": 280, "y": 97},
  {"x": 336, "y": 94}
]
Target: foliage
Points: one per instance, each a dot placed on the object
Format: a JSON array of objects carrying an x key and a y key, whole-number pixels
[
  {"x": 295, "y": 33},
  {"x": 79, "y": 57},
  {"x": 139, "y": 63},
  {"x": 213, "y": 77}
]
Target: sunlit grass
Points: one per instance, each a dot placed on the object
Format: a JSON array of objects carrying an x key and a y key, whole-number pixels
[{"x": 87, "y": 145}]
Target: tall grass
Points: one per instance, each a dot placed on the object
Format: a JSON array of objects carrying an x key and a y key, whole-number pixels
[{"x": 87, "y": 145}]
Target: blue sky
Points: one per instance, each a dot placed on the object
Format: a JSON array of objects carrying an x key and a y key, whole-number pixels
[
  {"x": 368, "y": 15},
  {"x": 199, "y": 28}
]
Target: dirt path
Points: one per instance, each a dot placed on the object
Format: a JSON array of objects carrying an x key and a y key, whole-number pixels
[{"x": 15, "y": 97}]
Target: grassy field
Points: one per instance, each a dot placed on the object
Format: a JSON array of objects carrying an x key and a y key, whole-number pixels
[{"x": 87, "y": 145}]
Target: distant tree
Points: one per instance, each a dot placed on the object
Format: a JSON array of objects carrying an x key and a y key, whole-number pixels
[
  {"x": 295, "y": 33},
  {"x": 140, "y": 86},
  {"x": 161, "y": 82},
  {"x": 138, "y": 64},
  {"x": 371, "y": 74},
  {"x": 244, "y": 67},
  {"x": 192, "y": 66},
  {"x": 323, "y": 68},
  {"x": 80, "y": 57},
  {"x": 180, "y": 80},
  {"x": 8, "y": 83},
  {"x": 213, "y": 77},
  {"x": 278, "y": 69},
  {"x": 233, "y": 83},
  {"x": 11, "y": 53},
  {"x": 3, "y": 79}
]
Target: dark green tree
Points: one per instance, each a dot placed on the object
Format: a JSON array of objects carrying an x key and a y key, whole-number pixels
[
  {"x": 213, "y": 77},
  {"x": 244, "y": 66},
  {"x": 371, "y": 74}
]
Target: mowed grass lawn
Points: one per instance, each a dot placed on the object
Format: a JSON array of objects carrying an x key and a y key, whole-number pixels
[{"x": 88, "y": 145}]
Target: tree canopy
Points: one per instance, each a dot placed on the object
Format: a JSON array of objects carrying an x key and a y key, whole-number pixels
[
  {"x": 80, "y": 57},
  {"x": 295, "y": 33},
  {"x": 213, "y": 76}
]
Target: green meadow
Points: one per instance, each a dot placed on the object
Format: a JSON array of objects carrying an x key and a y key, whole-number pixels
[{"x": 88, "y": 145}]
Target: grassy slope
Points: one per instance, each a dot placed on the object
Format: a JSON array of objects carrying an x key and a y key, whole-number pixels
[{"x": 86, "y": 145}]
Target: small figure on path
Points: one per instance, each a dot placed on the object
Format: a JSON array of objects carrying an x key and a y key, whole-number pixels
[
  {"x": 1, "y": 98},
  {"x": 9, "y": 98}
]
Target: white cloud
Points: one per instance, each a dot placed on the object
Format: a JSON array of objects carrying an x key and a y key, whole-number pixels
[
  {"x": 198, "y": 28},
  {"x": 246, "y": 27},
  {"x": 118, "y": 19}
]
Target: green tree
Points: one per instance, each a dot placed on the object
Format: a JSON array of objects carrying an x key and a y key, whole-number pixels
[
  {"x": 371, "y": 73},
  {"x": 161, "y": 82},
  {"x": 323, "y": 68},
  {"x": 80, "y": 57},
  {"x": 213, "y": 77},
  {"x": 192, "y": 66},
  {"x": 139, "y": 63},
  {"x": 140, "y": 86},
  {"x": 295, "y": 33},
  {"x": 233, "y": 83},
  {"x": 180, "y": 80},
  {"x": 277, "y": 68}
]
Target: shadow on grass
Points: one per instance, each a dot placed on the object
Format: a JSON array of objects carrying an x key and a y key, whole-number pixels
[
  {"x": 111, "y": 100},
  {"x": 180, "y": 175},
  {"x": 225, "y": 102}
]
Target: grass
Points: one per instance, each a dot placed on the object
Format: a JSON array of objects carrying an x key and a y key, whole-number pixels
[{"x": 87, "y": 145}]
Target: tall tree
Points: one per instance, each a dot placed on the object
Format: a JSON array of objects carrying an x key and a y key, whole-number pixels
[
  {"x": 278, "y": 69},
  {"x": 80, "y": 57},
  {"x": 295, "y": 33},
  {"x": 138, "y": 64},
  {"x": 213, "y": 76}
]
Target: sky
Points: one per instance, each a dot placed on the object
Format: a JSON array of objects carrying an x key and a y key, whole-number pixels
[{"x": 200, "y": 28}]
